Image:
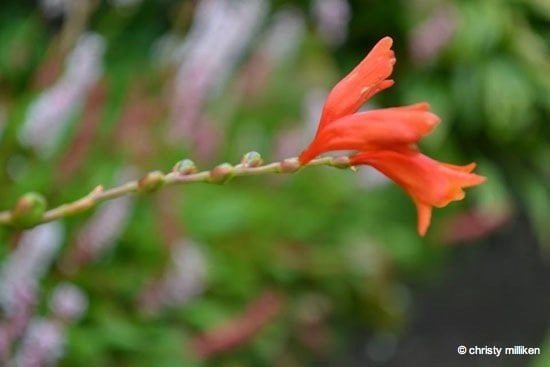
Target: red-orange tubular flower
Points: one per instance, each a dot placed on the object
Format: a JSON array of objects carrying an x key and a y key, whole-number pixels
[
  {"x": 428, "y": 182},
  {"x": 386, "y": 138}
]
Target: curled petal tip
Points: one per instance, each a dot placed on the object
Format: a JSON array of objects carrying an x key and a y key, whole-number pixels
[
  {"x": 468, "y": 168},
  {"x": 364, "y": 81},
  {"x": 432, "y": 119},
  {"x": 424, "y": 213},
  {"x": 478, "y": 179},
  {"x": 386, "y": 84},
  {"x": 421, "y": 106},
  {"x": 386, "y": 40}
]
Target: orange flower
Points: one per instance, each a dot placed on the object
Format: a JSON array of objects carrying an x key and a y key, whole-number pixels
[
  {"x": 428, "y": 182},
  {"x": 339, "y": 112},
  {"x": 386, "y": 138},
  {"x": 382, "y": 128}
]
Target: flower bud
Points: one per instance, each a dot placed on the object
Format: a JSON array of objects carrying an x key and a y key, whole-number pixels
[
  {"x": 151, "y": 181},
  {"x": 221, "y": 174},
  {"x": 185, "y": 167},
  {"x": 290, "y": 165},
  {"x": 29, "y": 210},
  {"x": 252, "y": 159}
]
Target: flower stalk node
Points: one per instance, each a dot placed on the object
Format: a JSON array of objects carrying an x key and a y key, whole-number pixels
[{"x": 341, "y": 162}]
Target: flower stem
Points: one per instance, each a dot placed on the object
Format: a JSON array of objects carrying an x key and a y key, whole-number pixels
[{"x": 99, "y": 194}]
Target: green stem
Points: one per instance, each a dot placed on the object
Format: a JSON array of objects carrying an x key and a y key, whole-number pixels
[{"x": 99, "y": 194}]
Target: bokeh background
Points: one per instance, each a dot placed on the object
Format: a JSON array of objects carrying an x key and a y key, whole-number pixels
[{"x": 320, "y": 268}]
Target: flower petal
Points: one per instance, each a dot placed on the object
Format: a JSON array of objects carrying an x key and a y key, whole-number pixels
[
  {"x": 424, "y": 214},
  {"x": 382, "y": 128},
  {"x": 367, "y": 79},
  {"x": 427, "y": 181}
]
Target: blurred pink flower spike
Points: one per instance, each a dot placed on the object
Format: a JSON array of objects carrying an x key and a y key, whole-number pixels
[
  {"x": 220, "y": 32},
  {"x": 184, "y": 279},
  {"x": 68, "y": 303},
  {"x": 42, "y": 344},
  {"x": 49, "y": 114},
  {"x": 332, "y": 18},
  {"x": 26, "y": 265},
  {"x": 473, "y": 225},
  {"x": 429, "y": 37}
]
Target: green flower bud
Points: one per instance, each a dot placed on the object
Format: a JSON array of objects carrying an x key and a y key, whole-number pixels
[
  {"x": 221, "y": 174},
  {"x": 151, "y": 182},
  {"x": 28, "y": 210},
  {"x": 252, "y": 159},
  {"x": 185, "y": 167},
  {"x": 290, "y": 165}
]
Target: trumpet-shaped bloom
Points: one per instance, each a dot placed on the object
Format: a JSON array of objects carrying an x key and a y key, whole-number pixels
[
  {"x": 427, "y": 181},
  {"x": 386, "y": 138},
  {"x": 383, "y": 128}
]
